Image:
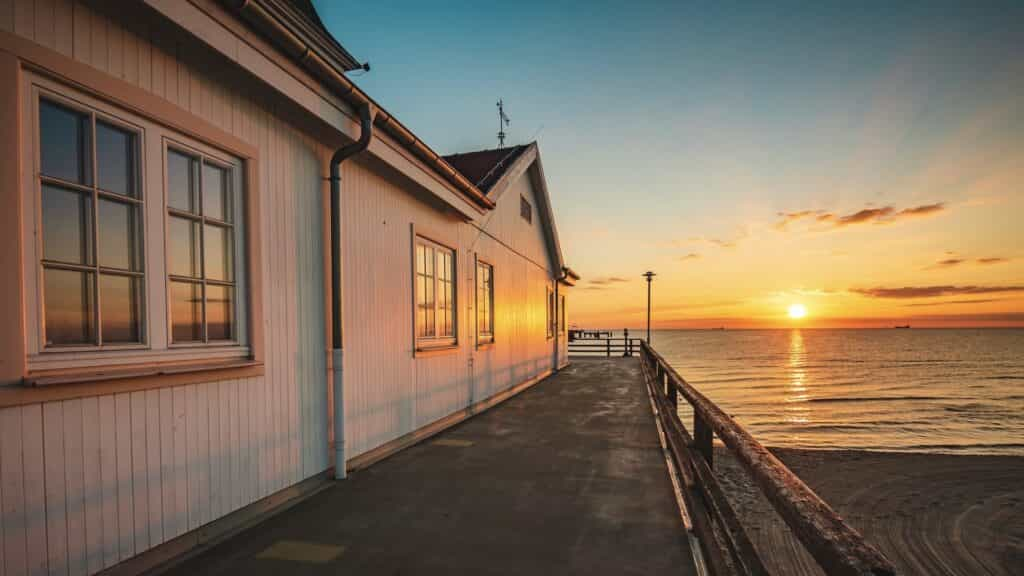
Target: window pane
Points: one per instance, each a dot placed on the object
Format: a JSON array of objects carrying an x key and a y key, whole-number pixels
[
  {"x": 421, "y": 256},
  {"x": 216, "y": 203},
  {"x": 181, "y": 182},
  {"x": 428, "y": 303},
  {"x": 119, "y": 235},
  {"x": 120, "y": 307},
  {"x": 186, "y": 312},
  {"x": 68, "y": 301},
  {"x": 217, "y": 258},
  {"x": 183, "y": 247},
  {"x": 115, "y": 159},
  {"x": 220, "y": 312},
  {"x": 64, "y": 143},
  {"x": 421, "y": 307},
  {"x": 446, "y": 317},
  {"x": 67, "y": 226}
]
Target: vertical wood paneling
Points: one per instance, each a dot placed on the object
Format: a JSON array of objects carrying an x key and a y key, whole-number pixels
[
  {"x": 167, "y": 472},
  {"x": 35, "y": 481},
  {"x": 108, "y": 480},
  {"x": 224, "y": 455},
  {"x": 125, "y": 517},
  {"x": 154, "y": 468},
  {"x": 93, "y": 484},
  {"x": 75, "y": 479},
  {"x": 180, "y": 478},
  {"x": 12, "y": 479},
  {"x": 139, "y": 478},
  {"x": 213, "y": 423},
  {"x": 63, "y": 27},
  {"x": 202, "y": 454},
  {"x": 55, "y": 488}
]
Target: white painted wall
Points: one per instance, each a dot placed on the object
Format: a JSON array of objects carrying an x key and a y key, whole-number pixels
[
  {"x": 390, "y": 392},
  {"x": 86, "y": 483}
]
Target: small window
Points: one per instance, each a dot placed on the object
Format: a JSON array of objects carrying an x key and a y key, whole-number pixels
[
  {"x": 525, "y": 209},
  {"x": 561, "y": 314},
  {"x": 92, "y": 208},
  {"x": 435, "y": 294},
  {"x": 550, "y": 320},
  {"x": 200, "y": 249},
  {"x": 484, "y": 303}
]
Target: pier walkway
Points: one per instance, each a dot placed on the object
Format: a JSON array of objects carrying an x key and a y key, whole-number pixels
[{"x": 568, "y": 477}]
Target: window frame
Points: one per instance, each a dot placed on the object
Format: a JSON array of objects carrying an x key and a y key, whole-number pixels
[
  {"x": 525, "y": 209},
  {"x": 561, "y": 313},
  {"x": 207, "y": 155},
  {"x": 549, "y": 315},
  {"x": 152, "y": 123},
  {"x": 484, "y": 338},
  {"x": 435, "y": 341},
  {"x": 38, "y": 180}
]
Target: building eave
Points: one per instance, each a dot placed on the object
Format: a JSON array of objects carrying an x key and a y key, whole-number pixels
[{"x": 309, "y": 53}]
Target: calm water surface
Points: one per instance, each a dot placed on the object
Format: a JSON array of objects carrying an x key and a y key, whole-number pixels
[{"x": 951, "y": 391}]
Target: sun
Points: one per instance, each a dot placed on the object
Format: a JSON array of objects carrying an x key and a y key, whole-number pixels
[{"x": 797, "y": 311}]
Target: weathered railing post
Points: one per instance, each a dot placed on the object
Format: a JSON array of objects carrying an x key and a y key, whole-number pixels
[
  {"x": 703, "y": 439},
  {"x": 625, "y": 343},
  {"x": 608, "y": 347}
]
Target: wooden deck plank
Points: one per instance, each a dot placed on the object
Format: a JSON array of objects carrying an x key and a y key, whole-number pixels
[{"x": 568, "y": 477}]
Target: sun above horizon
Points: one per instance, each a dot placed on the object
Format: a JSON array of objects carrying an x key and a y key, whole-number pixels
[{"x": 797, "y": 311}]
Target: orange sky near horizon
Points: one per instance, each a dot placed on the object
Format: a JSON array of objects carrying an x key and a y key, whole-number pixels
[{"x": 957, "y": 265}]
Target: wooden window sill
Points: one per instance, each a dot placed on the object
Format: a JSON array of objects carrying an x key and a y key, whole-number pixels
[
  {"x": 485, "y": 345},
  {"x": 51, "y": 385},
  {"x": 439, "y": 350}
]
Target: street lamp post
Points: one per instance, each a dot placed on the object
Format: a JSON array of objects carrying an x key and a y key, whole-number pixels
[{"x": 649, "y": 275}]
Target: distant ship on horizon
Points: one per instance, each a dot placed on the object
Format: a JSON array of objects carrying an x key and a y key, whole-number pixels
[{"x": 903, "y": 327}]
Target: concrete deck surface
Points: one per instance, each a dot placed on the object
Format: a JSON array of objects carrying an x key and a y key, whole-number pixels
[{"x": 567, "y": 477}]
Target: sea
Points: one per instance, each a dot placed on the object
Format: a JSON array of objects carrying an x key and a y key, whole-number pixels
[{"x": 953, "y": 391}]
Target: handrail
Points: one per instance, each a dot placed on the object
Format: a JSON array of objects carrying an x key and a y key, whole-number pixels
[
  {"x": 595, "y": 346},
  {"x": 836, "y": 546}
]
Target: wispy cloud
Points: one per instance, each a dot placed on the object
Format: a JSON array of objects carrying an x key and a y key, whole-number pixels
[
  {"x": 690, "y": 256},
  {"x": 946, "y": 263},
  {"x": 958, "y": 260},
  {"x": 604, "y": 282},
  {"x": 907, "y": 292},
  {"x": 873, "y": 215},
  {"x": 992, "y": 260},
  {"x": 958, "y": 302}
]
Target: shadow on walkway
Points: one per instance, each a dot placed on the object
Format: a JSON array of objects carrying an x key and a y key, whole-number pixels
[{"x": 567, "y": 477}]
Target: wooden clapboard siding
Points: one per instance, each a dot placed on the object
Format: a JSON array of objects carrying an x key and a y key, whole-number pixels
[{"x": 88, "y": 482}]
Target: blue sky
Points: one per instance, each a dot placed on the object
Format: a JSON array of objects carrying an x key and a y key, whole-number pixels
[{"x": 666, "y": 125}]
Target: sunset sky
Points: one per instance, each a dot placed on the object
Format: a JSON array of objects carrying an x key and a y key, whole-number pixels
[{"x": 863, "y": 160}]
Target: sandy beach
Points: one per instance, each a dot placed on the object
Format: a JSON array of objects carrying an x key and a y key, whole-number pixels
[{"x": 930, "y": 514}]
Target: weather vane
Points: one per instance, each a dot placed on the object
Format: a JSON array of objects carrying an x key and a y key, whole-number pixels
[{"x": 503, "y": 123}]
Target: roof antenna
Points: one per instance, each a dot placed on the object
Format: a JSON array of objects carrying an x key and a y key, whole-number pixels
[{"x": 503, "y": 123}]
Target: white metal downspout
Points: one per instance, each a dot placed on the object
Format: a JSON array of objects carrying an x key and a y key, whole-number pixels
[{"x": 340, "y": 155}]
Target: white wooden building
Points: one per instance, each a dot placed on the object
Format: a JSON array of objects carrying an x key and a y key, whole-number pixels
[{"x": 174, "y": 348}]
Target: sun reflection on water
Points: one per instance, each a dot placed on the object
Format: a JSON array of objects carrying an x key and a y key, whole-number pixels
[{"x": 796, "y": 410}]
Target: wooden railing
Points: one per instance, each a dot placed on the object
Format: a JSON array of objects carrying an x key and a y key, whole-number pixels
[
  {"x": 602, "y": 343},
  {"x": 834, "y": 545}
]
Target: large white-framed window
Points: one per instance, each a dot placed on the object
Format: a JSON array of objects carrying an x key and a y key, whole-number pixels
[
  {"x": 484, "y": 302},
  {"x": 91, "y": 207},
  {"x": 103, "y": 236},
  {"x": 201, "y": 240},
  {"x": 435, "y": 289}
]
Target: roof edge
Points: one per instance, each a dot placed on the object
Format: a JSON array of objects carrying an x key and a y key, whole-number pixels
[{"x": 307, "y": 52}]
